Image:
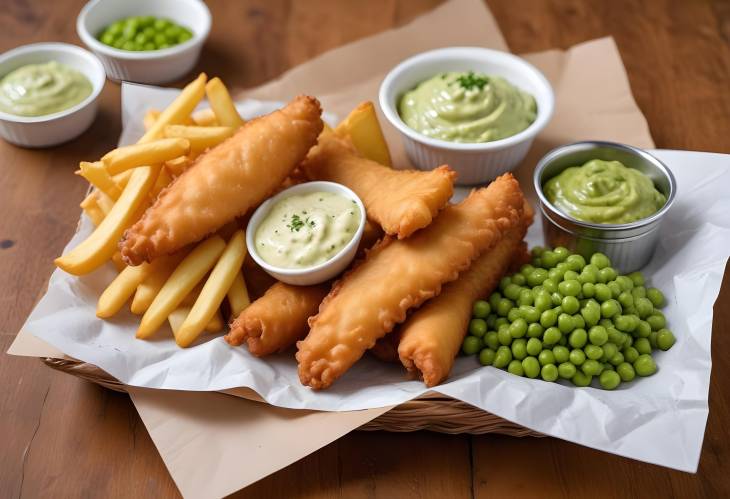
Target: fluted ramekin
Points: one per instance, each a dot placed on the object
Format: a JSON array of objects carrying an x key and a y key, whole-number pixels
[
  {"x": 474, "y": 163},
  {"x": 629, "y": 246},
  {"x": 56, "y": 128}
]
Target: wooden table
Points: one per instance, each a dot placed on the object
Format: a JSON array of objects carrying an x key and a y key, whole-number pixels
[{"x": 61, "y": 437}]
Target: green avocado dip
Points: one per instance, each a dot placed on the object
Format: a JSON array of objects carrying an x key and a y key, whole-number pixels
[
  {"x": 604, "y": 192},
  {"x": 305, "y": 230},
  {"x": 40, "y": 89},
  {"x": 467, "y": 107}
]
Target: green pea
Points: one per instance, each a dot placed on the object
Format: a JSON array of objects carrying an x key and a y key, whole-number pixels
[
  {"x": 551, "y": 336},
  {"x": 487, "y": 356},
  {"x": 615, "y": 289},
  {"x": 471, "y": 345},
  {"x": 600, "y": 260},
  {"x": 500, "y": 321},
  {"x": 530, "y": 314},
  {"x": 577, "y": 356},
  {"x": 607, "y": 274},
  {"x": 159, "y": 39},
  {"x": 626, "y": 299},
  {"x": 107, "y": 38},
  {"x": 656, "y": 321},
  {"x": 481, "y": 309},
  {"x": 637, "y": 278},
  {"x": 491, "y": 321},
  {"x": 656, "y": 297},
  {"x": 615, "y": 336},
  {"x": 665, "y": 339},
  {"x": 163, "y": 46},
  {"x": 518, "y": 328},
  {"x": 556, "y": 298},
  {"x": 588, "y": 290},
  {"x": 630, "y": 354},
  {"x": 643, "y": 307},
  {"x": 119, "y": 43},
  {"x": 519, "y": 279},
  {"x": 570, "y": 276},
  {"x": 140, "y": 38},
  {"x": 537, "y": 250},
  {"x": 504, "y": 336},
  {"x": 546, "y": 357},
  {"x": 591, "y": 367},
  {"x": 503, "y": 357},
  {"x": 625, "y": 371},
  {"x": 491, "y": 339},
  {"x": 570, "y": 304},
  {"x": 617, "y": 359},
  {"x": 531, "y": 367},
  {"x": 519, "y": 349},
  {"x": 548, "y": 318},
  {"x": 150, "y": 46},
  {"x": 494, "y": 299},
  {"x": 526, "y": 297},
  {"x": 563, "y": 341},
  {"x": 556, "y": 275},
  {"x": 550, "y": 285},
  {"x": 537, "y": 277},
  {"x": 514, "y": 314},
  {"x": 512, "y": 291},
  {"x": 129, "y": 46},
  {"x": 515, "y": 367},
  {"x": 534, "y": 330},
  {"x": 590, "y": 315},
  {"x": 575, "y": 262},
  {"x": 652, "y": 340},
  {"x": 598, "y": 335},
  {"x": 571, "y": 287},
  {"x": 642, "y": 346},
  {"x": 610, "y": 308},
  {"x": 116, "y": 28},
  {"x": 565, "y": 323},
  {"x": 603, "y": 292},
  {"x": 477, "y": 327},
  {"x": 566, "y": 370},
  {"x": 609, "y": 350},
  {"x": 161, "y": 24},
  {"x": 626, "y": 323},
  {"x": 561, "y": 354},
  {"x": 184, "y": 36},
  {"x": 172, "y": 31},
  {"x": 578, "y": 321},
  {"x": 534, "y": 346},
  {"x": 543, "y": 301},
  {"x": 593, "y": 352},
  {"x": 609, "y": 380},
  {"x": 581, "y": 379},
  {"x": 549, "y": 372},
  {"x": 578, "y": 338},
  {"x": 639, "y": 292},
  {"x": 644, "y": 365},
  {"x": 549, "y": 259},
  {"x": 504, "y": 306}
]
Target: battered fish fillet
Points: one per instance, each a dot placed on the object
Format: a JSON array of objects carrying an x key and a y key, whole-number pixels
[
  {"x": 226, "y": 181},
  {"x": 431, "y": 337},
  {"x": 401, "y": 274},
  {"x": 278, "y": 319},
  {"x": 400, "y": 201}
]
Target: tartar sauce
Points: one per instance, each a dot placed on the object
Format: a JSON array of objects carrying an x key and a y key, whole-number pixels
[{"x": 305, "y": 230}]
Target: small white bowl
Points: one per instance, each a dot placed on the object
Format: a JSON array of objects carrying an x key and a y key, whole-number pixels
[
  {"x": 56, "y": 128},
  {"x": 473, "y": 162},
  {"x": 318, "y": 273},
  {"x": 152, "y": 66}
]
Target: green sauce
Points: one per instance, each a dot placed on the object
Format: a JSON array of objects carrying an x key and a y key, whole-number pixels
[
  {"x": 604, "y": 192},
  {"x": 467, "y": 107},
  {"x": 306, "y": 230},
  {"x": 40, "y": 89}
]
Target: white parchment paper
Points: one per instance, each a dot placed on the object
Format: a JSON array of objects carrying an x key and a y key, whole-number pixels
[{"x": 660, "y": 419}]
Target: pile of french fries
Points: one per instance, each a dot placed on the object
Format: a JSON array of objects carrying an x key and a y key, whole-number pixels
[{"x": 187, "y": 288}]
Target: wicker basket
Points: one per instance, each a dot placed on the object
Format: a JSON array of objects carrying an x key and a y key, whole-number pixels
[{"x": 432, "y": 411}]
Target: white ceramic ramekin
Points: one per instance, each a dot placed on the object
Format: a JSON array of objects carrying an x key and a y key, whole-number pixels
[
  {"x": 474, "y": 163},
  {"x": 318, "y": 273},
  {"x": 56, "y": 128},
  {"x": 153, "y": 66}
]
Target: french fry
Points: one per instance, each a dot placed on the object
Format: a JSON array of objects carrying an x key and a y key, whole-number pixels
[
  {"x": 104, "y": 202},
  {"x": 190, "y": 271},
  {"x": 222, "y": 104},
  {"x": 190, "y": 298},
  {"x": 150, "y": 117},
  {"x": 121, "y": 289},
  {"x": 363, "y": 128},
  {"x": 214, "y": 290},
  {"x": 178, "y": 165},
  {"x": 200, "y": 137},
  {"x": 118, "y": 262},
  {"x": 179, "y": 110},
  {"x": 238, "y": 295},
  {"x": 163, "y": 180},
  {"x": 96, "y": 175},
  {"x": 148, "y": 153},
  {"x": 215, "y": 323},
  {"x": 204, "y": 117},
  {"x": 94, "y": 213},
  {"x": 152, "y": 284},
  {"x": 177, "y": 317},
  {"x": 102, "y": 243},
  {"x": 121, "y": 179}
]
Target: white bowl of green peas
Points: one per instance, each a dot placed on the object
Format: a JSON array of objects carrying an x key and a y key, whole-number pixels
[{"x": 145, "y": 41}]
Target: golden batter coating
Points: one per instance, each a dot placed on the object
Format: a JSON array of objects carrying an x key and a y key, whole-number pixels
[
  {"x": 398, "y": 275},
  {"x": 400, "y": 201},
  {"x": 226, "y": 181},
  {"x": 431, "y": 337}
]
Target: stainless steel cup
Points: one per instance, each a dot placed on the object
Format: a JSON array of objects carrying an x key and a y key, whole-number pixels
[{"x": 629, "y": 246}]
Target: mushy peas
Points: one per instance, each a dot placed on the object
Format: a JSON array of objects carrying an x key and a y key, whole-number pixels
[
  {"x": 605, "y": 192},
  {"x": 467, "y": 107},
  {"x": 305, "y": 230},
  {"x": 41, "y": 89}
]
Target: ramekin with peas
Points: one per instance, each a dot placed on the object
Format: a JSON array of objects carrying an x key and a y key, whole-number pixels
[{"x": 140, "y": 33}]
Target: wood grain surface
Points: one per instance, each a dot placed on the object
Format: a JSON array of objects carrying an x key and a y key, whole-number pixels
[{"x": 61, "y": 437}]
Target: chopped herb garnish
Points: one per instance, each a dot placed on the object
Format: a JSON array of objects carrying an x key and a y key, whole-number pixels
[
  {"x": 297, "y": 223},
  {"x": 472, "y": 80}
]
